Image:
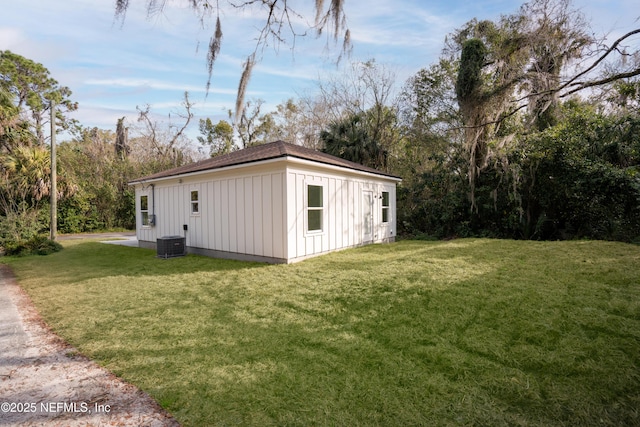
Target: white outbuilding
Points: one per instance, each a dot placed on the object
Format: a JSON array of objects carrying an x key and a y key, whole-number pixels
[{"x": 276, "y": 202}]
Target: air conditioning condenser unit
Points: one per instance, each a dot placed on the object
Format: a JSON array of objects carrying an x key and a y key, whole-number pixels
[{"x": 170, "y": 246}]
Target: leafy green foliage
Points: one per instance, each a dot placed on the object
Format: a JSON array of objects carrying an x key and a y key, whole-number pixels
[
  {"x": 351, "y": 139},
  {"x": 586, "y": 182},
  {"x": 577, "y": 179},
  {"x": 37, "y": 245},
  {"x": 469, "y": 75},
  {"x": 93, "y": 168},
  {"x": 508, "y": 159},
  {"x": 219, "y": 137},
  {"x": 22, "y": 225},
  {"x": 103, "y": 199},
  {"x": 32, "y": 90}
]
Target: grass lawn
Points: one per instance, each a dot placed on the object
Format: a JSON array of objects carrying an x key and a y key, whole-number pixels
[{"x": 465, "y": 332}]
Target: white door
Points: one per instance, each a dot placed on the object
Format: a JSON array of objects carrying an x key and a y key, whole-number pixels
[{"x": 367, "y": 216}]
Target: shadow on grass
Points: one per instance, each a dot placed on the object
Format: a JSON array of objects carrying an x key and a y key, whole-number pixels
[{"x": 86, "y": 260}]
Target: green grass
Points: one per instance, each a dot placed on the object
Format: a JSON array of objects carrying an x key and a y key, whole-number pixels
[{"x": 466, "y": 332}]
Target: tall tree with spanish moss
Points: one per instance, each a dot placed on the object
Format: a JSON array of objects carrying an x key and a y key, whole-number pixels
[{"x": 281, "y": 25}]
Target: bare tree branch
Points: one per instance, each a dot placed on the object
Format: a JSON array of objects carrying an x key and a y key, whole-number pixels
[
  {"x": 280, "y": 15},
  {"x": 613, "y": 47},
  {"x": 584, "y": 85},
  {"x": 188, "y": 116},
  {"x": 162, "y": 144}
]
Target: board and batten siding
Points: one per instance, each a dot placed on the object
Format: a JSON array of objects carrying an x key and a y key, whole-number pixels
[
  {"x": 239, "y": 213},
  {"x": 343, "y": 211},
  {"x": 259, "y": 211}
]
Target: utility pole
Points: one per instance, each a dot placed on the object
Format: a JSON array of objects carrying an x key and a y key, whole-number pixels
[{"x": 54, "y": 187}]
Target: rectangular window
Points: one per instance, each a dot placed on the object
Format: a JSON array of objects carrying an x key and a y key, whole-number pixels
[
  {"x": 385, "y": 206},
  {"x": 314, "y": 207},
  {"x": 195, "y": 208},
  {"x": 144, "y": 210}
]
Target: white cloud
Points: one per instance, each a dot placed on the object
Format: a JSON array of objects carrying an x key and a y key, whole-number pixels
[
  {"x": 11, "y": 37},
  {"x": 153, "y": 84}
]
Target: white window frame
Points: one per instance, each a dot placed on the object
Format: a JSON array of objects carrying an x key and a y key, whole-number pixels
[
  {"x": 385, "y": 208},
  {"x": 194, "y": 205},
  {"x": 307, "y": 208},
  {"x": 145, "y": 220}
]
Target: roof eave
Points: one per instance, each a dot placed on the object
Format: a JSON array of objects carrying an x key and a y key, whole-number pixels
[
  {"x": 376, "y": 174},
  {"x": 204, "y": 171},
  {"x": 284, "y": 157}
]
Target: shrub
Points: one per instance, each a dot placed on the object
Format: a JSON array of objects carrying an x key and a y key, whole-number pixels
[{"x": 37, "y": 245}]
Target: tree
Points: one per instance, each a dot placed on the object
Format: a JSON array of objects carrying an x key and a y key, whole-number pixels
[
  {"x": 491, "y": 60},
  {"x": 219, "y": 138},
  {"x": 167, "y": 140},
  {"x": 517, "y": 63},
  {"x": 534, "y": 49},
  {"x": 290, "y": 123},
  {"x": 352, "y": 140},
  {"x": 254, "y": 128},
  {"x": 363, "y": 89},
  {"x": 26, "y": 94},
  {"x": 433, "y": 197},
  {"x": 32, "y": 90},
  {"x": 314, "y": 116},
  {"x": 8, "y": 116},
  {"x": 100, "y": 174},
  {"x": 582, "y": 178},
  {"x": 358, "y": 87},
  {"x": 621, "y": 97},
  {"x": 122, "y": 140},
  {"x": 297, "y": 122},
  {"x": 430, "y": 116},
  {"x": 491, "y": 122},
  {"x": 18, "y": 218},
  {"x": 557, "y": 35},
  {"x": 26, "y": 172},
  {"x": 473, "y": 106},
  {"x": 282, "y": 22},
  {"x": 24, "y": 186}
]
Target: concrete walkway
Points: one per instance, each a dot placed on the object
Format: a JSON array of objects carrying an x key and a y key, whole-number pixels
[
  {"x": 45, "y": 382},
  {"x": 123, "y": 241},
  {"x": 127, "y": 238},
  {"x": 114, "y": 235}
]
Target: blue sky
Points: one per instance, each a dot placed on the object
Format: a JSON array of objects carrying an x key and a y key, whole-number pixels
[{"x": 112, "y": 68}]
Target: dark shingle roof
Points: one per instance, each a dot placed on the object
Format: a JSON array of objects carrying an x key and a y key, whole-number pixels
[{"x": 259, "y": 153}]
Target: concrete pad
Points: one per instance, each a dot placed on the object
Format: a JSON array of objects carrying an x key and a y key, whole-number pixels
[{"x": 131, "y": 241}]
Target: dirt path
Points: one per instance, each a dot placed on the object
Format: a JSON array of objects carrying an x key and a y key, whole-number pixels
[{"x": 44, "y": 382}]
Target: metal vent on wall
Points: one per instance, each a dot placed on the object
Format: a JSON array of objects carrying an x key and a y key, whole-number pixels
[{"x": 170, "y": 246}]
